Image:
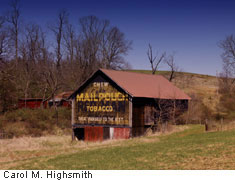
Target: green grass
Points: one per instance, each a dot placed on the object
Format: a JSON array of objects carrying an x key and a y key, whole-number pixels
[{"x": 190, "y": 149}]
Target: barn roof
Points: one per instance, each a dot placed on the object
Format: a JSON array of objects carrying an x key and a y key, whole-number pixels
[{"x": 143, "y": 85}]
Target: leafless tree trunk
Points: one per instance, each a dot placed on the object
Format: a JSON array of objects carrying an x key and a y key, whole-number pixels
[
  {"x": 227, "y": 77},
  {"x": 58, "y": 30},
  {"x": 173, "y": 67},
  {"x": 55, "y": 77},
  {"x": 70, "y": 40},
  {"x": 3, "y": 38},
  {"x": 13, "y": 18},
  {"x": 228, "y": 56},
  {"x": 154, "y": 60}
]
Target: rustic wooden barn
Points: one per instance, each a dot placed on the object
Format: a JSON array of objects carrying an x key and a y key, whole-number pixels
[
  {"x": 119, "y": 104},
  {"x": 31, "y": 103},
  {"x": 61, "y": 99}
]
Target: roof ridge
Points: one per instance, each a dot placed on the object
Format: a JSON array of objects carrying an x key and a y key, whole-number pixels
[{"x": 126, "y": 71}]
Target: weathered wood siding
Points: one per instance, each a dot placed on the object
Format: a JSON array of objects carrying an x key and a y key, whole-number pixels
[
  {"x": 93, "y": 133},
  {"x": 121, "y": 133},
  {"x": 101, "y": 103}
]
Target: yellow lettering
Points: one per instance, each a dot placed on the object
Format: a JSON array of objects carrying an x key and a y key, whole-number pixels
[
  {"x": 113, "y": 97},
  {"x": 95, "y": 108},
  {"x": 86, "y": 98},
  {"x": 121, "y": 97},
  {"x": 101, "y": 96},
  {"x": 107, "y": 96},
  {"x": 88, "y": 108},
  {"x": 109, "y": 108},
  {"x": 79, "y": 97},
  {"x": 94, "y": 95},
  {"x": 127, "y": 97}
]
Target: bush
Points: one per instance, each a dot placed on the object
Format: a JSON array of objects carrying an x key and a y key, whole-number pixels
[
  {"x": 35, "y": 122},
  {"x": 197, "y": 112}
]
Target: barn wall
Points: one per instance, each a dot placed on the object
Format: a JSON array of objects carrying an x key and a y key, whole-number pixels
[
  {"x": 146, "y": 112},
  {"x": 121, "y": 133},
  {"x": 102, "y": 103},
  {"x": 31, "y": 103},
  {"x": 93, "y": 133},
  {"x": 99, "y": 133},
  {"x": 102, "y": 109}
]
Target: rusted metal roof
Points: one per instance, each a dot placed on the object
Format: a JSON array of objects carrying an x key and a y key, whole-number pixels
[
  {"x": 63, "y": 95},
  {"x": 145, "y": 85}
]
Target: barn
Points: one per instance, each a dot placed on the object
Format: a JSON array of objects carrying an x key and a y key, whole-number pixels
[
  {"x": 32, "y": 103},
  {"x": 61, "y": 99},
  {"x": 119, "y": 104}
]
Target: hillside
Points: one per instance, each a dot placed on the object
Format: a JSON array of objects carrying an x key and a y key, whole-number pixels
[{"x": 204, "y": 87}]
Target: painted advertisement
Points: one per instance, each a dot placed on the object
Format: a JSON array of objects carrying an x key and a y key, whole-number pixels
[{"x": 101, "y": 103}]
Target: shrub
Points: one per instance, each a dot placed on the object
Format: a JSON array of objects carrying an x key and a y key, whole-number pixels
[{"x": 35, "y": 122}]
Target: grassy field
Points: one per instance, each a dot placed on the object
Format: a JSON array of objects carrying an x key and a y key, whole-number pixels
[{"x": 188, "y": 147}]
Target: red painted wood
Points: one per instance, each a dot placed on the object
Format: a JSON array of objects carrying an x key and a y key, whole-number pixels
[
  {"x": 66, "y": 104},
  {"x": 93, "y": 133},
  {"x": 121, "y": 133},
  {"x": 32, "y": 104}
]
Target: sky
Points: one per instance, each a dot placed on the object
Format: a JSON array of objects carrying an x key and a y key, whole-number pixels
[{"x": 189, "y": 29}]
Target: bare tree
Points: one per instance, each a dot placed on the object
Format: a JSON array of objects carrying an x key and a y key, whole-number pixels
[
  {"x": 228, "y": 56},
  {"x": 227, "y": 76},
  {"x": 28, "y": 65},
  {"x": 154, "y": 60},
  {"x": 170, "y": 61},
  {"x": 92, "y": 34},
  {"x": 35, "y": 69},
  {"x": 3, "y": 38},
  {"x": 13, "y": 18},
  {"x": 70, "y": 41},
  {"x": 53, "y": 74},
  {"x": 58, "y": 29},
  {"x": 96, "y": 45},
  {"x": 114, "y": 46}
]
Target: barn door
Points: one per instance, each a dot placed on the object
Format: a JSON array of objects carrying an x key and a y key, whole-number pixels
[{"x": 138, "y": 121}]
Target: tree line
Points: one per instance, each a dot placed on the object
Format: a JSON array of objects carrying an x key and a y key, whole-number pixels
[{"x": 35, "y": 64}]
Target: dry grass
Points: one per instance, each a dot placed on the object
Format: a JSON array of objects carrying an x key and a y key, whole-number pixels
[
  {"x": 185, "y": 147},
  {"x": 205, "y": 87},
  {"x": 14, "y": 151}
]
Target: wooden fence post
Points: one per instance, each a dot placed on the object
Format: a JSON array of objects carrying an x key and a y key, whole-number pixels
[
  {"x": 221, "y": 123},
  {"x": 206, "y": 125}
]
